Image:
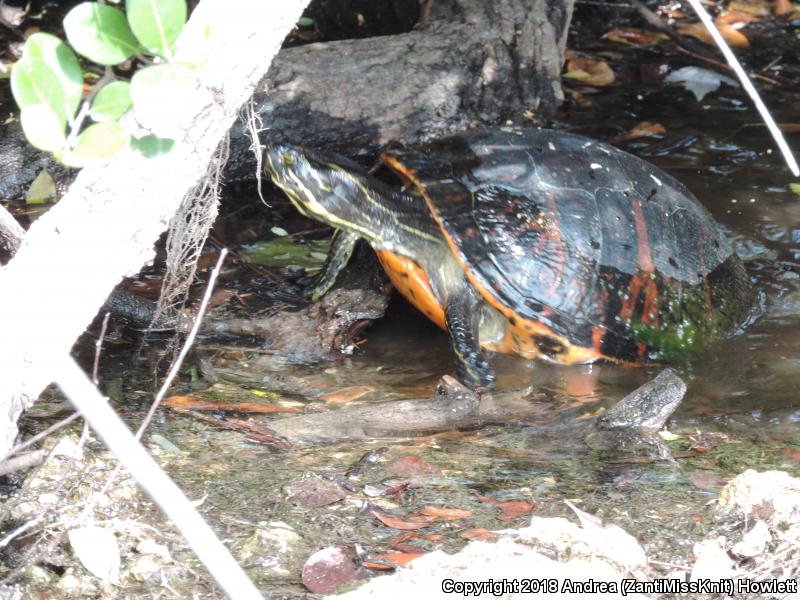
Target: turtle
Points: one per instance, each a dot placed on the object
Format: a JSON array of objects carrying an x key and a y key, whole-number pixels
[{"x": 528, "y": 241}]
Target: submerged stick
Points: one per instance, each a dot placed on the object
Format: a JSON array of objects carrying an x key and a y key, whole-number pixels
[
  {"x": 453, "y": 406},
  {"x": 748, "y": 86}
]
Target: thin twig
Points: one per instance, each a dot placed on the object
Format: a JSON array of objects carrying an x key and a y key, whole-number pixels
[
  {"x": 747, "y": 85},
  {"x": 98, "y": 347},
  {"x": 42, "y": 434},
  {"x": 176, "y": 365},
  {"x": 20, "y": 530},
  {"x": 254, "y": 127},
  {"x": 668, "y": 564},
  {"x": 76, "y": 123},
  {"x": 254, "y": 432},
  {"x": 724, "y": 67}
]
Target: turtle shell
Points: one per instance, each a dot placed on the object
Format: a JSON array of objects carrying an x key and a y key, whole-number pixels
[{"x": 588, "y": 245}]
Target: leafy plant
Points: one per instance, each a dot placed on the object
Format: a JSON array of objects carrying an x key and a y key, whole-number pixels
[{"x": 48, "y": 83}]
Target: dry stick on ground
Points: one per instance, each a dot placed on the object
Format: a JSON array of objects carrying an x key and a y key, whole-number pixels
[
  {"x": 42, "y": 434},
  {"x": 27, "y": 526},
  {"x": 98, "y": 347},
  {"x": 22, "y": 462}
]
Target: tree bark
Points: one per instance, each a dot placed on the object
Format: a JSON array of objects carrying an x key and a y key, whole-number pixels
[
  {"x": 105, "y": 226},
  {"x": 468, "y": 63}
]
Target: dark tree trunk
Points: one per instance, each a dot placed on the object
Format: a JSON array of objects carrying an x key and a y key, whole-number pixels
[{"x": 468, "y": 62}]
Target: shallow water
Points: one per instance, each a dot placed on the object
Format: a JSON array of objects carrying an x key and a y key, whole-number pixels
[{"x": 741, "y": 409}]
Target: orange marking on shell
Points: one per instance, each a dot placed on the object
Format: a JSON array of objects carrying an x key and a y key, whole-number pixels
[
  {"x": 638, "y": 286},
  {"x": 644, "y": 282},
  {"x": 518, "y": 338},
  {"x": 630, "y": 298},
  {"x": 645, "y": 252},
  {"x": 555, "y": 233},
  {"x": 598, "y": 333},
  {"x": 408, "y": 175},
  {"x": 410, "y": 280},
  {"x": 650, "y": 315}
]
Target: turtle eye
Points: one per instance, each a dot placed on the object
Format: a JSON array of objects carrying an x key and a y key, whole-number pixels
[{"x": 287, "y": 159}]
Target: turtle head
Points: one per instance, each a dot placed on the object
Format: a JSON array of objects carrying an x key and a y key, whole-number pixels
[{"x": 328, "y": 188}]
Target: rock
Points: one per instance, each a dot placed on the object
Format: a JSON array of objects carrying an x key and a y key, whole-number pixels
[
  {"x": 278, "y": 541},
  {"x": 753, "y": 542},
  {"x": 524, "y": 555},
  {"x": 773, "y": 496},
  {"x": 712, "y": 562},
  {"x": 329, "y": 569}
]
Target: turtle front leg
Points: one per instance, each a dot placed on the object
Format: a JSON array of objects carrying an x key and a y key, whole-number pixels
[
  {"x": 463, "y": 315},
  {"x": 342, "y": 245}
]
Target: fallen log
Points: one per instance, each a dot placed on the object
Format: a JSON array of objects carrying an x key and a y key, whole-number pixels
[
  {"x": 467, "y": 63},
  {"x": 454, "y": 406}
]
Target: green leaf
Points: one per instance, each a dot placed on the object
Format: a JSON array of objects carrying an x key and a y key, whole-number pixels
[
  {"x": 795, "y": 187},
  {"x": 668, "y": 436},
  {"x": 156, "y": 23},
  {"x": 151, "y": 146},
  {"x": 160, "y": 95},
  {"x": 283, "y": 252},
  {"x": 42, "y": 189},
  {"x": 100, "y": 33},
  {"x": 48, "y": 74},
  {"x": 111, "y": 102},
  {"x": 97, "y": 143},
  {"x": 43, "y": 127}
]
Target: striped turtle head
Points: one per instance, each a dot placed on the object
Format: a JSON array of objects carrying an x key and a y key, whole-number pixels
[{"x": 328, "y": 188}]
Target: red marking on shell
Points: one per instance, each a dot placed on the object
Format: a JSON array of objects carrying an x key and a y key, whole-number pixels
[
  {"x": 598, "y": 333},
  {"x": 643, "y": 243}
]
